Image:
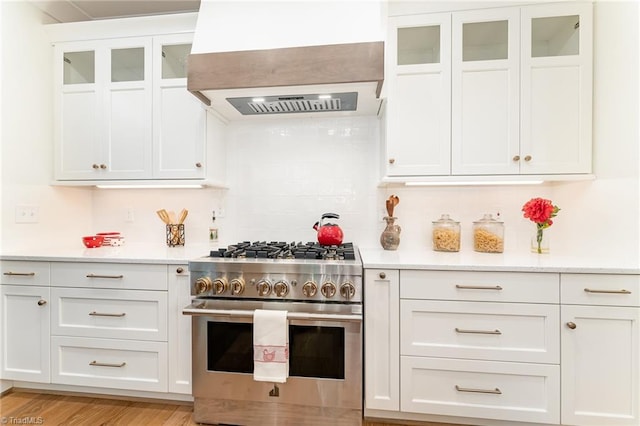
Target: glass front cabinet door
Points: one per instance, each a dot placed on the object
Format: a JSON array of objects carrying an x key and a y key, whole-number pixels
[
  {"x": 103, "y": 109},
  {"x": 179, "y": 117},
  {"x": 418, "y": 112},
  {"x": 556, "y": 88}
]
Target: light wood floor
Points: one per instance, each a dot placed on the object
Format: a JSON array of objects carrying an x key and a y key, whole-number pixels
[{"x": 48, "y": 409}]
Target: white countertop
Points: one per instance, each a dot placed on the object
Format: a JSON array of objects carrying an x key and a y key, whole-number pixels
[
  {"x": 127, "y": 253},
  {"x": 473, "y": 261},
  {"x": 371, "y": 258}
]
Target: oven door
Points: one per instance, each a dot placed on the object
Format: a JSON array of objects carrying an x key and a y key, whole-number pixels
[{"x": 325, "y": 354}]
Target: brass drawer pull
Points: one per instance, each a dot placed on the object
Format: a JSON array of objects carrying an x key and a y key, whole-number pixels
[
  {"x": 623, "y": 291},
  {"x": 461, "y": 330},
  {"x": 98, "y": 314},
  {"x": 383, "y": 275},
  {"x": 20, "y": 274},
  {"x": 495, "y": 391},
  {"x": 106, "y": 364},
  {"x": 105, "y": 276},
  {"x": 478, "y": 287}
]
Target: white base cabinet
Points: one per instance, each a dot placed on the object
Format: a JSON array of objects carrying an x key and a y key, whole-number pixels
[
  {"x": 381, "y": 344},
  {"x": 109, "y": 363},
  {"x": 480, "y": 389},
  {"x": 25, "y": 333},
  {"x": 111, "y": 327},
  {"x": 179, "y": 329},
  {"x": 601, "y": 350},
  {"x": 507, "y": 348}
]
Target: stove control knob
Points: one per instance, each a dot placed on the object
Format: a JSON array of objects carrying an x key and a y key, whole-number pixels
[
  {"x": 347, "y": 290},
  {"x": 281, "y": 288},
  {"x": 237, "y": 286},
  {"x": 309, "y": 289},
  {"x": 328, "y": 289},
  {"x": 220, "y": 285},
  {"x": 263, "y": 287},
  {"x": 203, "y": 285}
]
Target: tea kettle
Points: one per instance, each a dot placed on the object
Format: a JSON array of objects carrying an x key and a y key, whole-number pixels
[{"x": 328, "y": 233}]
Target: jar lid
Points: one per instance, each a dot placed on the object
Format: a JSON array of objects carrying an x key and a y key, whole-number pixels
[
  {"x": 487, "y": 218},
  {"x": 445, "y": 220}
]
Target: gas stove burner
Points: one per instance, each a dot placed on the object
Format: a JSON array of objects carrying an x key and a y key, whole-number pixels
[{"x": 283, "y": 250}]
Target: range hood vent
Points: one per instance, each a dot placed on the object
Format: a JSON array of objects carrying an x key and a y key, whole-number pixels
[
  {"x": 294, "y": 104},
  {"x": 337, "y": 78}
]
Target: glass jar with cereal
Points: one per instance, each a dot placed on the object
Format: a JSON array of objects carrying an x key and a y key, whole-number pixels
[
  {"x": 488, "y": 235},
  {"x": 446, "y": 234}
]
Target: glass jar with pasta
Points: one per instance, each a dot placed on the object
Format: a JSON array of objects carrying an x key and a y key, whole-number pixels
[
  {"x": 488, "y": 235},
  {"x": 446, "y": 234}
]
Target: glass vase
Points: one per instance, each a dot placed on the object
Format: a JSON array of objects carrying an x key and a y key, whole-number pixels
[
  {"x": 390, "y": 238},
  {"x": 540, "y": 241}
]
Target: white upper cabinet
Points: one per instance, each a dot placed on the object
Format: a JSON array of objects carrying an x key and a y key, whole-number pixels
[
  {"x": 485, "y": 92},
  {"x": 178, "y": 116},
  {"x": 419, "y": 100},
  {"x": 123, "y": 111},
  {"x": 489, "y": 92},
  {"x": 104, "y": 104},
  {"x": 556, "y": 88}
]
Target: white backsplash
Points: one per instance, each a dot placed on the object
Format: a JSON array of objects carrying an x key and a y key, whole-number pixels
[{"x": 284, "y": 173}]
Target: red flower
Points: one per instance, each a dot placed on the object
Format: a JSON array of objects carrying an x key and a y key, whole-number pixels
[{"x": 540, "y": 211}]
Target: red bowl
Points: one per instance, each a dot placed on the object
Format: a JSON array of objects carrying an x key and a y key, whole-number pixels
[{"x": 93, "y": 241}]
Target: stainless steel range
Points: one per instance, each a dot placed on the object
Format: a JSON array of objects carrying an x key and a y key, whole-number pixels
[{"x": 320, "y": 288}]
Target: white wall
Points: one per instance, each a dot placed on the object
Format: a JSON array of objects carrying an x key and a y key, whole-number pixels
[
  {"x": 283, "y": 174},
  {"x": 27, "y": 140}
]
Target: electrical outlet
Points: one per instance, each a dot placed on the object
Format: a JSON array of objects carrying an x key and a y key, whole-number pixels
[
  {"x": 129, "y": 215},
  {"x": 26, "y": 214}
]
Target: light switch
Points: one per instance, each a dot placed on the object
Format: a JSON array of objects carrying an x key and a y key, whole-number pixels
[{"x": 26, "y": 214}]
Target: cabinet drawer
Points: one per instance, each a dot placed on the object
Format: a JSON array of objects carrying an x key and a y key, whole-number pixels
[
  {"x": 480, "y": 286},
  {"x": 25, "y": 273},
  {"x": 119, "y": 314},
  {"x": 109, "y": 275},
  {"x": 481, "y": 389},
  {"x": 486, "y": 331},
  {"x": 600, "y": 289},
  {"x": 108, "y": 363}
]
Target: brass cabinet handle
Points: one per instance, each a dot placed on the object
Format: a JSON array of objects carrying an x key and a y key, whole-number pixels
[
  {"x": 516, "y": 158},
  {"x": 106, "y": 364},
  {"x": 98, "y": 314},
  {"x": 623, "y": 291},
  {"x": 383, "y": 275},
  {"x": 42, "y": 302},
  {"x": 95, "y": 166},
  {"x": 527, "y": 158},
  {"x": 461, "y": 330},
  {"x": 494, "y": 391},
  {"x": 105, "y": 276},
  {"x": 478, "y": 287},
  {"x": 20, "y": 274},
  {"x": 103, "y": 166},
  {"x": 179, "y": 270},
  {"x": 198, "y": 165},
  {"x": 392, "y": 160},
  {"x": 571, "y": 325}
]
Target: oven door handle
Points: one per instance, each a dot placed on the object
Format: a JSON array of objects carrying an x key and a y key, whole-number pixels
[{"x": 193, "y": 310}]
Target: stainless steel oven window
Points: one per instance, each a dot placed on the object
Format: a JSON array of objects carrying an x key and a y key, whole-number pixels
[{"x": 314, "y": 351}]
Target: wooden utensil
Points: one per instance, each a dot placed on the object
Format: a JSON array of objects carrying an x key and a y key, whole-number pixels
[
  {"x": 172, "y": 217},
  {"x": 392, "y": 202},
  {"x": 183, "y": 216},
  {"x": 164, "y": 216}
]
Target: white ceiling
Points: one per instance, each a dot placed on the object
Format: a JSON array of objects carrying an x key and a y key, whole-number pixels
[{"x": 89, "y": 10}]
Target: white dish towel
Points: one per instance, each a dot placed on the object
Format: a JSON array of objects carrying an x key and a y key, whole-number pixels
[{"x": 270, "y": 346}]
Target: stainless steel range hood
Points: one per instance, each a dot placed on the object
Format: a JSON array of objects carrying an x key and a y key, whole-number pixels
[{"x": 323, "y": 76}]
